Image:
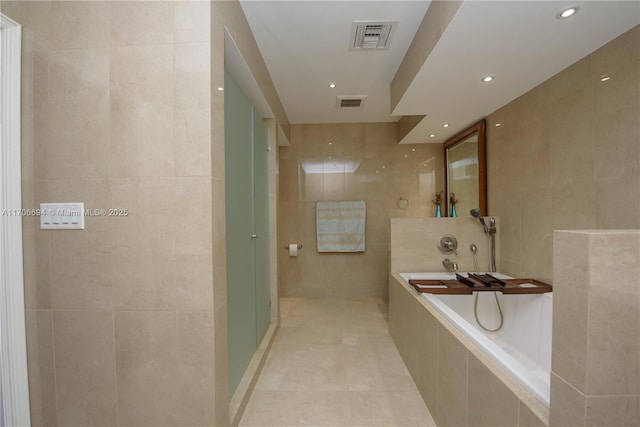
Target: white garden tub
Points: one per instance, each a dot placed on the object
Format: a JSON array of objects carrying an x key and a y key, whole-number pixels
[{"x": 522, "y": 346}]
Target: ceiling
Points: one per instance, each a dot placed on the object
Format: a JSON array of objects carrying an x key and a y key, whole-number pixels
[{"x": 305, "y": 45}]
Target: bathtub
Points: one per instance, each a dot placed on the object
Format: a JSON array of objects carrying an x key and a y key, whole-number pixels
[{"x": 522, "y": 346}]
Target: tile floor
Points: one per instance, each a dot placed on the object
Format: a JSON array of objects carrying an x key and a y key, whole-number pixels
[{"x": 333, "y": 363}]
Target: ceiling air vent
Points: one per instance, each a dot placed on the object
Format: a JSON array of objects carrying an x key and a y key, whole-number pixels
[
  {"x": 350, "y": 101},
  {"x": 369, "y": 35}
]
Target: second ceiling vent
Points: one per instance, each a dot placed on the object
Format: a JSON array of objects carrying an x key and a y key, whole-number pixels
[
  {"x": 350, "y": 101},
  {"x": 368, "y": 35}
]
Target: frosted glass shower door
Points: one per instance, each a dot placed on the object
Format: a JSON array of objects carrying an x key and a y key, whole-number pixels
[
  {"x": 247, "y": 228},
  {"x": 241, "y": 314}
]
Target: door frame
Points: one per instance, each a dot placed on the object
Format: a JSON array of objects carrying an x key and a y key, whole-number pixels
[{"x": 14, "y": 392}]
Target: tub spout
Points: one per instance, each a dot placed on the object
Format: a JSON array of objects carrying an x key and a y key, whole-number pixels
[{"x": 450, "y": 265}]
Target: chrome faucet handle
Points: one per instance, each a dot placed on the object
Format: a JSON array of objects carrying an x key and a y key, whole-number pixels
[
  {"x": 452, "y": 247},
  {"x": 448, "y": 244}
]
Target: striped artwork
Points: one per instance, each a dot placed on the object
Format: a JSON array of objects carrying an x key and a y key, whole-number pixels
[{"x": 340, "y": 226}]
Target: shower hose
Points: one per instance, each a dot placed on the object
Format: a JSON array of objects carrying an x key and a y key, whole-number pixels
[{"x": 475, "y": 304}]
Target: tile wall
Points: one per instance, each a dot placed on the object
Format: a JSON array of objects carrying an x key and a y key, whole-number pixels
[
  {"x": 595, "y": 378},
  {"x": 116, "y": 114},
  {"x": 414, "y": 244},
  {"x": 567, "y": 156},
  {"x": 360, "y": 161},
  {"x": 126, "y": 320}
]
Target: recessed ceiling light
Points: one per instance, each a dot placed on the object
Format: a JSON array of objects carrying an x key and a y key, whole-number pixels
[
  {"x": 498, "y": 125},
  {"x": 332, "y": 85},
  {"x": 446, "y": 125},
  {"x": 605, "y": 77},
  {"x": 220, "y": 88},
  {"x": 433, "y": 135},
  {"x": 331, "y": 143},
  {"x": 413, "y": 149},
  {"x": 406, "y": 155},
  {"x": 384, "y": 167},
  {"x": 568, "y": 12},
  {"x": 487, "y": 79}
]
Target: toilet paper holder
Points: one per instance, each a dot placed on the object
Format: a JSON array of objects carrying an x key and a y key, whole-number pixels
[{"x": 287, "y": 246}]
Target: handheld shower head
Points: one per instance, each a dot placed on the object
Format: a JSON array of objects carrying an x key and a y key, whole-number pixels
[
  {"x": 491, "y": 232},
  {"x": 477, "y": 214}
]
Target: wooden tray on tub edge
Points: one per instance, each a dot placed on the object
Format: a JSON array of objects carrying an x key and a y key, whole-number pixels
[
  {"x": 440, "y": 287},
  {"x": 454, "y": 287},
  {"x": 526, "y": 286}
]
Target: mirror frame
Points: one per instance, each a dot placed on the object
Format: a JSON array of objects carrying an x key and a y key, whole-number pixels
[{"x": 480, "y": 129}]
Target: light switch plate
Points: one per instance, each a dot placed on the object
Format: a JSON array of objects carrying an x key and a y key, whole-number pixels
[{"x": 62, "y": 216}]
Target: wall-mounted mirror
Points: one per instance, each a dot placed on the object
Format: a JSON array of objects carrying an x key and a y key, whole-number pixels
[{"x": 465, "y": 171}]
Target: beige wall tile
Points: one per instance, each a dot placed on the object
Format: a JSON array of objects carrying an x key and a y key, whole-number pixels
[
  {"x": 81, "y": 285},
  {"x": 107, "y": 95},
  {"x": 85, "y": 368},
  {"x": 569, "y": 405},
  {"x": 144, "y": 244},
  {"x": 616, "y": 203},
  {"x": 12, "y": 9},
  {"x": 616, "y": 105},
  {"x": 193, "y": 63},
  {"x": 410, "y": 334},
  {"x": 571, "y": 273},
  {"x": 452, "y": 381},
  {"x": 36, "y": 250},
  {"x": 570, "y": 150},
  {"x": 39, "y": 326},
  {"x": 143, "y": 280},
  {"x": 192, "y": 137},
  {"x": 414, "y": 243},
  {"x": 536, "y": 247},
  {"x": 193, "y": 284},
  {"x": 613, "y": 411},
  {"x": 193, "y": 216},
  {"x": 499, "y": 410},
  {"x": 146, "y": 360},
  {"x": 142, "y": 23},
  {"x": 599, "y": 376},
  {"x": 613, "y": 350},
  {"x": 427, "y": 380},
  {"x": 511, "y": 226},
  {"x": 142, "y": 111},
  {"x": 358, "y": 161},
  {"x": 192, "y": 21},
  {"x": 78, "y": 24},
  {"x": 77, "y": 114},
  {"x": 574, "y": 206},
  {"x": 192, "y": 143},
  {"x": 526, "y": 417},
  {"x": 397, "y": 303},
  {"x": 195, "y": 378}
]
